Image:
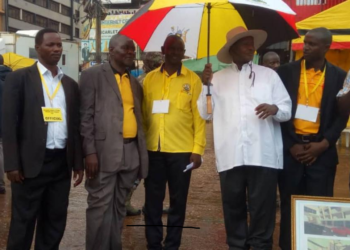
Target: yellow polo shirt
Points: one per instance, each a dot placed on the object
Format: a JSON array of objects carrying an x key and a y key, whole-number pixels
[
  {"x": 129, "y": 122},
  {"x": 302, "y": 126},
  {"x": 182, "y": 129}
]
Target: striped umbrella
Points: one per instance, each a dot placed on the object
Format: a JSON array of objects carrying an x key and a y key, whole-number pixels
[{"x": 203, "y": 24}]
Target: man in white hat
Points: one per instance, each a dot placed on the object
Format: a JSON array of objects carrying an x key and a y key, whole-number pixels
[{"x": 249, "y": 102}]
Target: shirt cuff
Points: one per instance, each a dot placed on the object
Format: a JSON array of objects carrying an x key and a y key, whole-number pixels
[{"x": 197, "y": 149}]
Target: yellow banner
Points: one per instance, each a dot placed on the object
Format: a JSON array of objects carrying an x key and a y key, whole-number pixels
[{"x": 109, "y": 27}]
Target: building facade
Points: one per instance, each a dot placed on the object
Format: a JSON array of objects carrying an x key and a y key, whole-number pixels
[
  {"x": 307, "y": 8},
  {"x": 62, "y": 15}
]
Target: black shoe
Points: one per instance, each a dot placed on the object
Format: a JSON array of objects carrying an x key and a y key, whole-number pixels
[{"x": 133, "y": 212}]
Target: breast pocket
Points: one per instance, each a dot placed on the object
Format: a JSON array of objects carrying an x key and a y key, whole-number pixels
[
  {"x": 184, "y": 101},
  {"x": 262, "y": 94}
]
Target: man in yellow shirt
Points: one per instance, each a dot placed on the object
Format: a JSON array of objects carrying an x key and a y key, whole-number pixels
[
  {"x": 175, "y": 137},
  {"x": 309, "y": 138}
]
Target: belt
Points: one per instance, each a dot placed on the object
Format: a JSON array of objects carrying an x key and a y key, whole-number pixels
[
  {"x": 308, "y": 138},
  {"x": 55, "y": 151},
  {"x": 129, "y": 140}
]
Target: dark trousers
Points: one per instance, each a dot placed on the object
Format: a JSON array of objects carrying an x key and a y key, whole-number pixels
[
  {"x": 299, "y": 179},
  {"x": 42, "y": 202},
  {"x": 260, "y": 184},
  {"x": 163, "y": 168}
]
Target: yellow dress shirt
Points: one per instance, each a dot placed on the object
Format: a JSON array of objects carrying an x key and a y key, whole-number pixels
[
  {"x": 129, "y": 122},
  {"x": 302, "y": 126},
  {"x": 181, "y": 129}
]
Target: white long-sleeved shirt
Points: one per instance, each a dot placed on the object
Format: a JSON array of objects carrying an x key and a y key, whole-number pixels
[
  {"x": 240, "y": 137},
  {"x": 56, "y": 131}
]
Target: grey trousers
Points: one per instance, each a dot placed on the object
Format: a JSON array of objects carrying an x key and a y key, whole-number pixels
[
  {"x": 106, "y": 202},
  {"x": 2, "y": 181}
]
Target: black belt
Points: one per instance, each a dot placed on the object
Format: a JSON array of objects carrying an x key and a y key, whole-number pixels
[
  {"x": 129, "y": 140},
  {"x": 55, "y": 151},
  {"x": 308, "y": 138}
]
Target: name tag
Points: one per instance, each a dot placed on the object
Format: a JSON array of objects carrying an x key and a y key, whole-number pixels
[
  {"x": 307, "y": 113},
  {"x": 160, "y": 107},
  {"x": 52, "y": 114}
]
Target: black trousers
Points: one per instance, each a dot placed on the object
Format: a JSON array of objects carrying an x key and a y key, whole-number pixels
[
  {"x": 42, "y": 202},
  {"x": 299, "y": 179},
  {"x": 260, "y": 184},
  {"x": 163, "y": 168}
]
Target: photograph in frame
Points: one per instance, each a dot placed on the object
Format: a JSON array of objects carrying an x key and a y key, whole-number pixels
[{"x": 320, "y": 223}]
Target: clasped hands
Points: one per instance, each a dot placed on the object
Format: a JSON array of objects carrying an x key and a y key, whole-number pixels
[{"x": 308, "y": 153}]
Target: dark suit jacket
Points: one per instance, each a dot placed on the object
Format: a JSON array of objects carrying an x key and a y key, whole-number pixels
[
  {"x": 24, "y": 129},
  {"x": 331, "y": 122},
  {"x": 102, "y": 118}
]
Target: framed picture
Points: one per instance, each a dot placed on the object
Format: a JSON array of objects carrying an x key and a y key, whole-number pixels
[{"x": 320, "y": 223}]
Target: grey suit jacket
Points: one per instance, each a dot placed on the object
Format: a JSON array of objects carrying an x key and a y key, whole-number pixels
[{"x": 101, "y": 113}]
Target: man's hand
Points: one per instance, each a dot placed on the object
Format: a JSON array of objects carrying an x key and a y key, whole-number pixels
[
  {"x": 207, "y": 74},
  {"x": 197, "y": 160},
  {"x": 15, "y": 176},
  {"x": 78, "y": 177},
  {"x": 296, "y": 150},
  {"x": 91, "y": 166},
  {"x": 265, "y": 110},
  {"x": 312, "y": 151}
]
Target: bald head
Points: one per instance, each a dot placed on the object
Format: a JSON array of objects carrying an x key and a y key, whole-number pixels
[
  {"x": 271, "y": 60},
  {"x": 322, "y": 34},
  {"x": 172, "y": 38},
  {"x": 122, "y": 52},
  {"x": 117, "y": 39},
  {"x": 173, "y": 50}
]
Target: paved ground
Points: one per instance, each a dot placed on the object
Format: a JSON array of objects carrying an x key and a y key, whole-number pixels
[{"x": 204, "y": 210}]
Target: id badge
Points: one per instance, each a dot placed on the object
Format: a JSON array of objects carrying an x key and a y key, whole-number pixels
[
  {"x": 52, "y": 114},
  {"x": 307, "y": 113},
  {"x": 161, "y": 107}
]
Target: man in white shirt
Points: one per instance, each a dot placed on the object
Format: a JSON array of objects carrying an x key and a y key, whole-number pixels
[
  {"x": 249, "y": 102},
  {"x": 42, "y": 146}
]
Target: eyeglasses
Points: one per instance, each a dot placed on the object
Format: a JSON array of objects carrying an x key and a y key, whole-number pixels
[{"x": 252, "y": 73}]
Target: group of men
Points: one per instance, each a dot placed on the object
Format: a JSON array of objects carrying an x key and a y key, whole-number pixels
[
  {"x": 263, "y": 122},
  {"x": 50, "y": 125}
]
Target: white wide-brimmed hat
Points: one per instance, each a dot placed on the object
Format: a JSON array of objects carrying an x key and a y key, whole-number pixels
[{"x": 238, "y": 33}]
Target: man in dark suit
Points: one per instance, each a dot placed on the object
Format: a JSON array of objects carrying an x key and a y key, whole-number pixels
[
  {"x": 4, "y": 71},
  {"x": 113, "y": 142},
  {"x": 309, "y": 138},
  {"x": 41, "y": 146}
]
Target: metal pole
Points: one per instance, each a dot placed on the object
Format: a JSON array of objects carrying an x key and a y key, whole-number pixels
[
  {"x": 71, "y": 20},
  {"x": 98, "y": 31},
  {"x": 209, "y": 107}
]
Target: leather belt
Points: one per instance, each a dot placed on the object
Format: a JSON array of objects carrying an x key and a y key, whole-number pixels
[
  {"x": 56, "y": 151},
  {"x": 308, "y": 138},
  {"x": 129, "y": 140}
]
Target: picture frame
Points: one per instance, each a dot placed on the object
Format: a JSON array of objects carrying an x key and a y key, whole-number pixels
[{"x": 320, "y": 223}]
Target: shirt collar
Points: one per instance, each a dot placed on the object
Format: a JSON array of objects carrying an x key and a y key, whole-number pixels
[
  {"x": 246, "y": 65},
  {"x": 181, "y": 71},
  {"x": 44, "y": 70},
  {"x": 313, "y": 70},
  {"x": 116, "y": 71}
]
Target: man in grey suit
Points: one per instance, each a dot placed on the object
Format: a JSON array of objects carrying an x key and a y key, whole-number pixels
[{"x": 113, "y": 142}]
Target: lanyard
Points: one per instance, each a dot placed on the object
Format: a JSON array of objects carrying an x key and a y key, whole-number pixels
[
  {"x": 51, "y": 97},
  {"x": 307, "y": 87}
]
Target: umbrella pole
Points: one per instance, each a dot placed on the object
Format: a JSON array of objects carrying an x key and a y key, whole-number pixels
[{"x": 209, "y": 106}]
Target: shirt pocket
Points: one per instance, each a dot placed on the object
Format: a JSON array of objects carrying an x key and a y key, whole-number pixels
[
  {"x": 262, "y": 94},
  {"x": 184, "y": 101}
]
